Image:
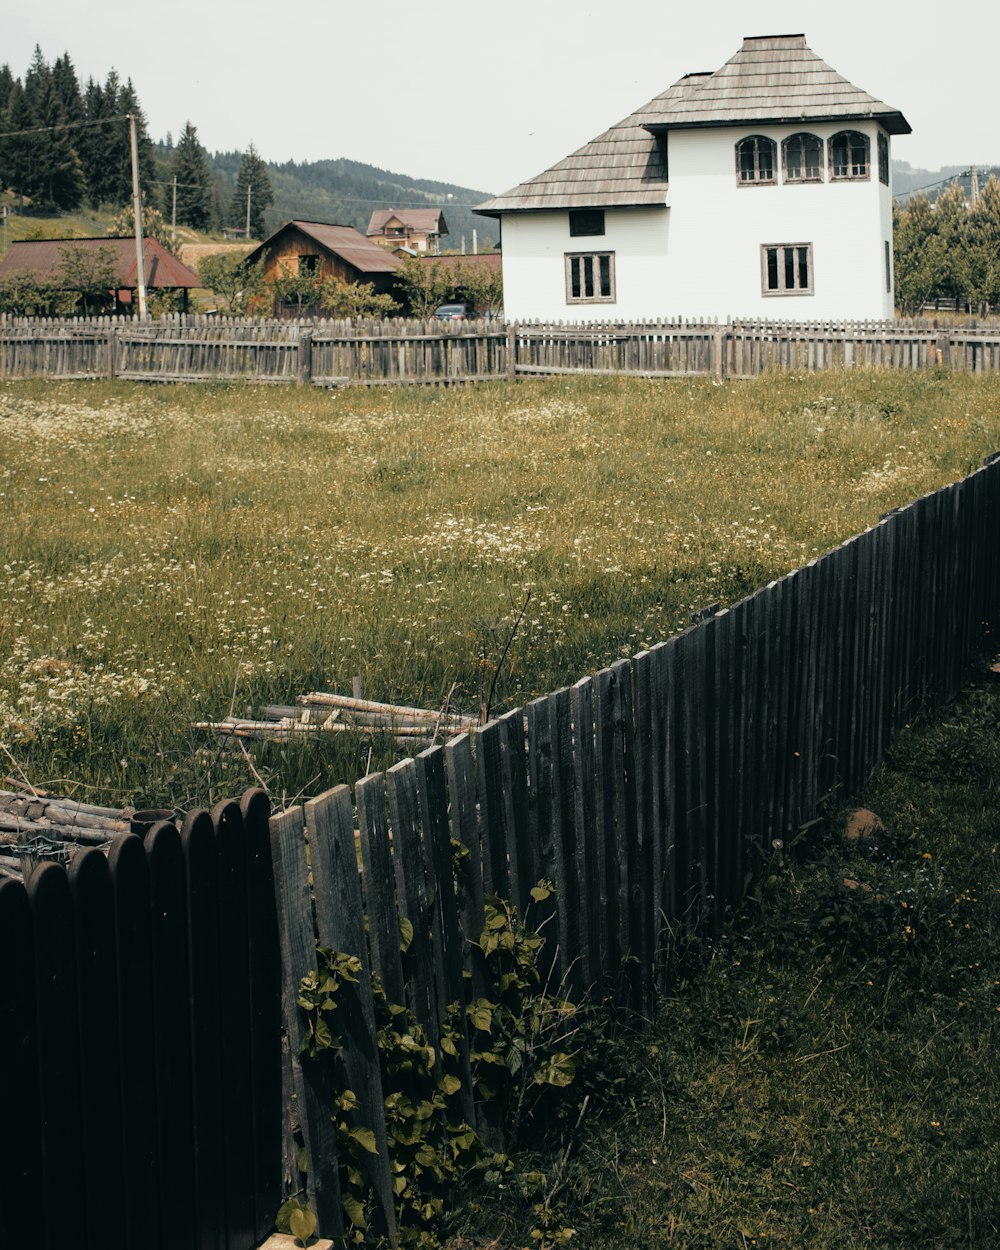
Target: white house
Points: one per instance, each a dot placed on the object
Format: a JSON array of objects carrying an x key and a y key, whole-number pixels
[{"x": 760, "y": 190}]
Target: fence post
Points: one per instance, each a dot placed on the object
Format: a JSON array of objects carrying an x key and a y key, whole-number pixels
[
  {"x": 511, "y": 352},
  {"x": 305, "y": 357},
  {"x": 112, "y": 353},
  {"x": 719, "y": 362}
]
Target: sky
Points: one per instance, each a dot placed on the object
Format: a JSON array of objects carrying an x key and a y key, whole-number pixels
[{"x": 487, "y": 95}]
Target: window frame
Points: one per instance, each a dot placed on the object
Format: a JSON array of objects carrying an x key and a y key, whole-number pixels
[
  {"x": 800, "y": 179},
  {"x": 850, "y": 176},
  {"x": 778, "y": 292},
  {"x": 610, "y": 298},
  {"x": 578, "y": 223},
  {"x": 756, "y": 181},
  {"x": 883, "y": 158}
]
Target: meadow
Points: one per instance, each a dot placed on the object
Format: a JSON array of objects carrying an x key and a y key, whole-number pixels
[{"x": 170, "y": 554}]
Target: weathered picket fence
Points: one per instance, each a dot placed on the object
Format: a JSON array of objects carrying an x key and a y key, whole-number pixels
[
  {"x": 647, "y": 793},
  {"x": 140, "y": 1027},
  {"x": 140, "y": 1041},
  {"x": 396, "y": 351}
]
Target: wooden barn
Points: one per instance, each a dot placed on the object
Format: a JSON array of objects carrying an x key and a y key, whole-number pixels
[{"x": 332, "y": 251}]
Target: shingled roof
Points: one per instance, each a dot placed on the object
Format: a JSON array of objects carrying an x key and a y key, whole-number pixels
[
  {"x": 773, "y": 79},
  {"x": 343, "y": 241}
]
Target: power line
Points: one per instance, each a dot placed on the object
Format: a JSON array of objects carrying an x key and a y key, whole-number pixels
[
  {"x": 930, "y": 185},
  {"x": 41, "y": 130}
]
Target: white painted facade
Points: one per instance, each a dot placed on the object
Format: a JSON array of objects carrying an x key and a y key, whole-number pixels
[{"x": 699, "y": 256}]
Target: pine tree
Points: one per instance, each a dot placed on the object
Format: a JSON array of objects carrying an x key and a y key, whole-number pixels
[
  {"x": 94, "y": 140},
  {"x": 67, "y": 88},
  {"x": 194, "y": 180},
  {"x": 252, "y": 177}
]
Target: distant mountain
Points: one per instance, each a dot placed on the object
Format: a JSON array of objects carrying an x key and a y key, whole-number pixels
[{"x": 347, "y": 192}]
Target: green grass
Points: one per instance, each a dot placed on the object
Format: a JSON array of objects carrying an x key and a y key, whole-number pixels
[
  {"x": 827, "y": 1077},
  {"x": 170, "y": 553}
]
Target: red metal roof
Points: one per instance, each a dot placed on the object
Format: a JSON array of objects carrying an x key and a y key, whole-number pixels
[{"x": 42, "y": 260}]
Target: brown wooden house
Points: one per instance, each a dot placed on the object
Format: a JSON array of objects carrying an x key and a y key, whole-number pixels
[{"x": 316, "y": 247}]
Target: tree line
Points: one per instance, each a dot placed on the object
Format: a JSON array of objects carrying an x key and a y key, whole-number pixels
[
  {"x": 948, "y": 249},
  {"x": 63, "y": 146}
]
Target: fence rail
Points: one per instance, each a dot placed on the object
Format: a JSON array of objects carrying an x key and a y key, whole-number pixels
[{"x": 402, "y": 352}]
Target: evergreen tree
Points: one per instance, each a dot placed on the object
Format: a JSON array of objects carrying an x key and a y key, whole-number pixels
[
  {"x": 252, "y": 178},
  {"x": 54, "y": 174},
  {"x": 98, "y": 106},
  {"x": 67, "y": 87},
  {"x": 6, "y": 87},
  {"x": 18, "y": 147},
  {"x": 194, "y": 180}
]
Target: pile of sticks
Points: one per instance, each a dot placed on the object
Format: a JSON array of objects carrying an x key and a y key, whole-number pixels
[
  {"x": 321, "y": 712},
  {"x": 37, "y": 826}
]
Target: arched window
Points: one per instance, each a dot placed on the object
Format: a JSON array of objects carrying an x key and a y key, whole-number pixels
[
  {"x": 803, "y": 158},
  {"x": 850, "y": 155},
  {"x": 755, "y": 160}
]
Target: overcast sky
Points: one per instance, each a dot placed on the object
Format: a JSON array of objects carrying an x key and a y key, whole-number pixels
[{"x": 486, "y": 95}]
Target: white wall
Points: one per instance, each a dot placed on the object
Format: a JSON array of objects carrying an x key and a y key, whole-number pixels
[{"x": 700, "y": 256}]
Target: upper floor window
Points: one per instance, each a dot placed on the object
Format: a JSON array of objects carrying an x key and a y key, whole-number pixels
[
  {"x": 586, "y": 221},
  {"x": 590, "y": 278},
  {"x": 850, "y": 155},
  {"x": 883, "y": 158},
  {"x": 803, "y": 158},
  {"x": 308, "y": 265},
  {"x": 755, "y": 160}
]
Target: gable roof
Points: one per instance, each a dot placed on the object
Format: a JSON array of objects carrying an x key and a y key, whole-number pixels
[
  {"x": 343, "y": 241},
  {"x": 771, "y": 79},
  {"x": 422, "y": 220},
  {"x": 42, "y": 259}
]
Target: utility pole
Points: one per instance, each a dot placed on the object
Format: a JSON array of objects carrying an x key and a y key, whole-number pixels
[
  {"x": 249, "y": 189},
  {"x": 5, "y": 230},
  {"x": 974, "y": 171},
  {"x": 140, "y": 263},
  {"x": 173, "y": 217}
]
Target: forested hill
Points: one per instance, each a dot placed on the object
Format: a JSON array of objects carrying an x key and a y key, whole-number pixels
[{"x": 347, "y": 192}]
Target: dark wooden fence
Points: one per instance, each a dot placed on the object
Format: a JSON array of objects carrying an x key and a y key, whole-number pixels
[
  {"x": 139, "y": 1014},
  {"x": 140, "y": 1042},
  {"x": 186, "y": 348},
  {"x": 648, "y": 793}
]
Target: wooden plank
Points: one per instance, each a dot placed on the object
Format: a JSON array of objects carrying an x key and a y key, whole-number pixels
[
  {"x": 492, "y": 829},
  {"x": 172, "y": 1030},
  {"x": 207, "y": 1026},
  {"x": 449, "y": 956},
  {"x": 610, "y": 783},
  {"x": 585, "y": 820},
  {"x": 542, "y": 801},
  {"x": 564, "y": 841},
  {"x": 265, "y": 1010},
  {"x": 460, "y": 767},
  {"x": 628, "y": 850},
  {"x": 411, "y": 895},
  {"x": 312, "y": 1091},
  {"x": 236, "y": 1008},
  {"x": 379, "y": 885},
  {"x": 522, "y": 853},
  {"x": 133, "y": 933},
  {"x": 641, "y": 919},
  {"x": 61, "y": 1105},
  {"x": 22, "y": 1182},
  {"x": 340, "y": 926},
  {"x": 97, "y": 991}
]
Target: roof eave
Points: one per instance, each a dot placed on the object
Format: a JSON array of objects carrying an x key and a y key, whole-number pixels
[{"x": 894, "y": 122}]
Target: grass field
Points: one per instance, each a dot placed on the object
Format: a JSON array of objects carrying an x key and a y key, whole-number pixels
[{"x": 171, "y": 553}]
